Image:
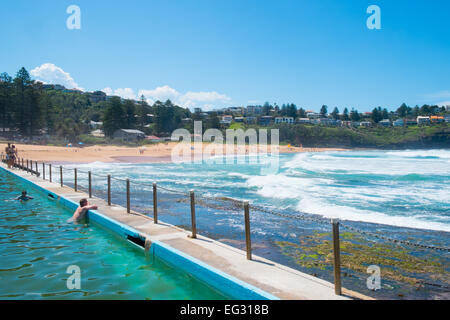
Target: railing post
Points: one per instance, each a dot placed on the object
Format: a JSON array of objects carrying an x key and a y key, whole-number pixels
[
  {"x": 61, "y": 176},
  {"x": 37, "y": 169},
  {"x": 193, "y": 222},
  {"x": 50, "y": 172},
  {"x": 128, "y": 196},
  {"x": 248, "y": 239},
  {"x": 337, "y": 258},
  {"x": 109, "y": 190},
  {"x": 155, "y": 204},
  {"x": 23, "y": 167},
  {"x": 27, "y": 164},
  {"x": 90, "y": 184},
  {"x": 75, "y": 178},
  {"x": 43, "y": 170}
]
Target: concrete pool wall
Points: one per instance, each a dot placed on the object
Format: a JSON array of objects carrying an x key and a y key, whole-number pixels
[{"x": 220, "y": 266}]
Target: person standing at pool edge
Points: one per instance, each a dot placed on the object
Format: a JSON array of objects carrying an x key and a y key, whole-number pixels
[
  {"x": 7, "y": 153},
  {"x": 80, "y": 213}
]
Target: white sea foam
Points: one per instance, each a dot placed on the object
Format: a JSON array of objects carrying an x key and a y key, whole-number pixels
[
  {"x": 309, "y": 205},
  {"x": 443, "y": 154},
  {"x": 402, "y": 188}
]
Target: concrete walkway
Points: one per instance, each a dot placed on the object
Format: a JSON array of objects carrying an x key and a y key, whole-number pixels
[{"x": 276, "y": 279}]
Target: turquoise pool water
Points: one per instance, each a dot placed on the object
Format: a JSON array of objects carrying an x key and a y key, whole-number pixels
[{"x": 37, "y": 246}]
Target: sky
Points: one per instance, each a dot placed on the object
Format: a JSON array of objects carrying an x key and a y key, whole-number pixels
[{"x": 220, "y": 53}]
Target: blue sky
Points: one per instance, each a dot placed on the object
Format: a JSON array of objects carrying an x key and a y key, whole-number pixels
[{"x": 219, "y": 53}]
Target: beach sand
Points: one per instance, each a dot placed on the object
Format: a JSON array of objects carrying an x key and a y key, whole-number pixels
[{"x": 160, "y": 152}]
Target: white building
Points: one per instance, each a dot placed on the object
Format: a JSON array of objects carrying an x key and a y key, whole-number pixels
[
  {"x": 423, "y": 120},
  {"x": 226, "y": 119},
  {"x": 129, "y": 134},
  {"x": 313, "y": 115},
  {"x": 303, "y": 120}
]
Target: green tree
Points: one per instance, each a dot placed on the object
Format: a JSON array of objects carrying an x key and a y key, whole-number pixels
[
  {"x": 266, "y": 109},
  {"x": 345, "y": 116},
  {"x": 335, "y": 113},
  {"x": 354, "y": 115},
  {"x": 377, "y": 115},
  {"x": 213, "y": 121},
  {"x": 129, "y": 110},
  {"x": 21, "y": 83},
  {"x": 292, "y": 110},
  {"x": 323, "y": 111},
  {"x": 114, "y": 117},
  {"x": 6, "y": 101},
  {"x": 301, "y": 113}
]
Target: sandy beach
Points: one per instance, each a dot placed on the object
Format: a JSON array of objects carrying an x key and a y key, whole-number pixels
[{"x": 160, "y": 152}]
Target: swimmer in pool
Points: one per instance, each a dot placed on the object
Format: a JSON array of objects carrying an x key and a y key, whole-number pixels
[
  {"x": 80, "y": 213},
  {"x": 24, "y": 197}
]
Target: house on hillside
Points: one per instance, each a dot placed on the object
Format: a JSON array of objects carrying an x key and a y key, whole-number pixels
[
  {"x": 254, "y": 110},
  {"x": 303, "y": 120},
  {"x": 226, "y": 119},
  {"x": 95, "y": 125},
  {"x": 385, "y": 123},
  {"x": 250, "y": 120},
  {"x": 265, "y": 120},
  {"x": 437, "y": 119},
  {"x": 399, "y": 123},
  {"x": 289, "y": 120},
  {"x": 312, "y": 115},
  {"x": 129, "y": 135},
  {"x": 423, "y": 120},
  {"x": 153, "y": 138}
]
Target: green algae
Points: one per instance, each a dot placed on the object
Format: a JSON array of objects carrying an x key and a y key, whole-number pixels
[{"x": 396, "y": 262}]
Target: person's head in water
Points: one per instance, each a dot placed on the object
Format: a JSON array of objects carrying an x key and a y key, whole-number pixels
[
  {"x": 24, "y": 196},
  {"x": 83, "y": 202}
]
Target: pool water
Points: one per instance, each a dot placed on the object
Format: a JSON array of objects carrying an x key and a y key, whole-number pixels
[{"x": 37, "y": 246}]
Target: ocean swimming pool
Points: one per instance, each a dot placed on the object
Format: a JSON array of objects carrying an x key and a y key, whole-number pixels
[
  {"x": 375, "y": 191},
  {"x": 37, "y": 245}
]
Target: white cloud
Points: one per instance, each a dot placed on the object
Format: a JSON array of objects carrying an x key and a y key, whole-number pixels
[
  {"x": 126, "y": 93},
  {"x": 444, "y": 103},
  {"x": 51, "y": 74},
  {"x": 205, "y": 100},
  {"x": 160, "y": 93}
]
